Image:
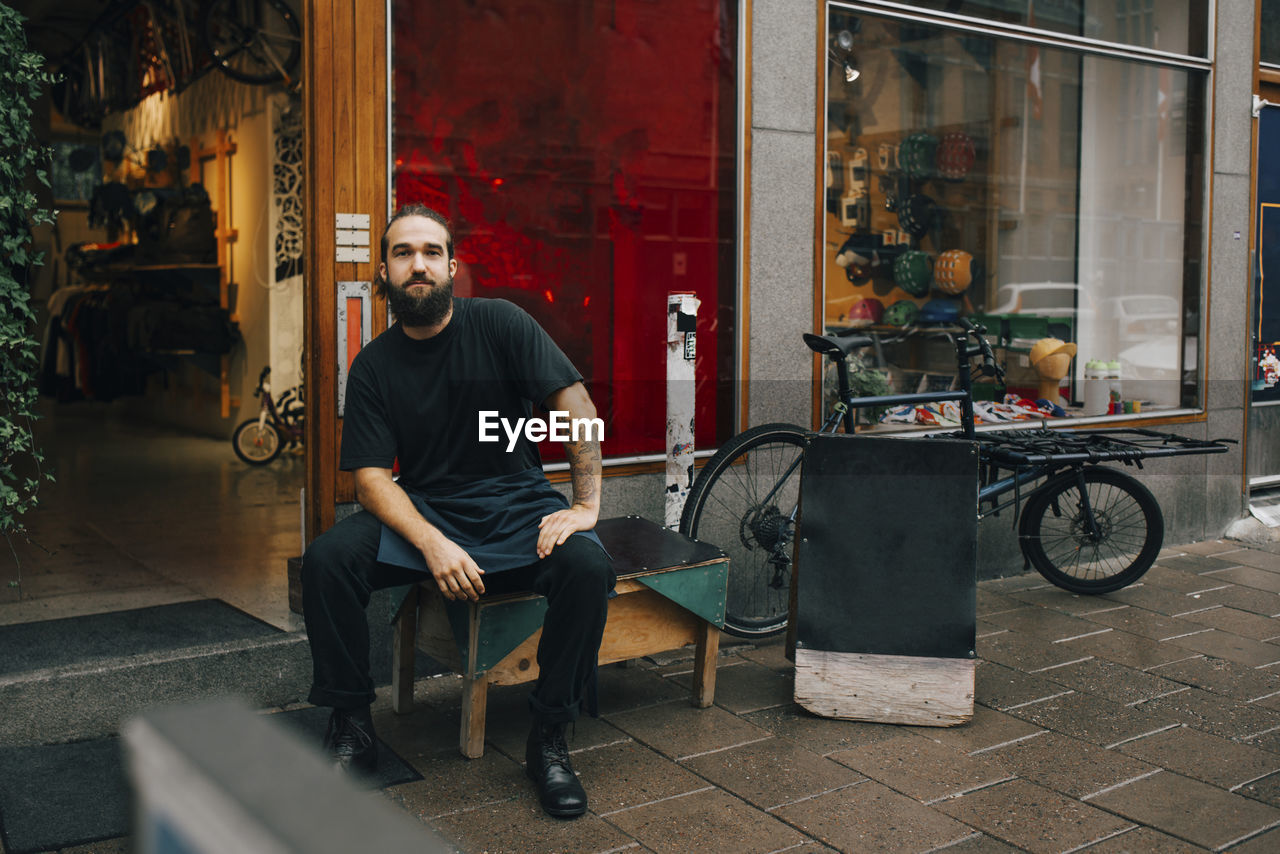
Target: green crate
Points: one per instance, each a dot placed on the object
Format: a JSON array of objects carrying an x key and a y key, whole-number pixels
[{"x": 1025, "y": 326}]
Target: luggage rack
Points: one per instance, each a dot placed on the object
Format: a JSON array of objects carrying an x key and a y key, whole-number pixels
[{"x": 1016, "y": 448}]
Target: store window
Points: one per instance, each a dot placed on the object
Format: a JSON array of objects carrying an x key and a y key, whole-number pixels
[
  {"x": 1155, "y": 24},
  {"x": 1040, "y": 191},
  {"x": 1269, "y": 25},
  {"x": 586, "y": 152}
]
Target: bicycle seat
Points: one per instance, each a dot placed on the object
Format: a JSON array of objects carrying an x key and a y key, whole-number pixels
[{"x": 830, "y": 345}]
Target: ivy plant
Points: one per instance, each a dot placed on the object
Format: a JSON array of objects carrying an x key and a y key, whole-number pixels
[{"x": 23, "y": 160}]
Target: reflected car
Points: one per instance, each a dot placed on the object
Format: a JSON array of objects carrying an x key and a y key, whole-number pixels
[
  {"x": 1142, "y": 317},
  {"x": 1065, "y": 306},
  {"x": 1046, "y": 299}
]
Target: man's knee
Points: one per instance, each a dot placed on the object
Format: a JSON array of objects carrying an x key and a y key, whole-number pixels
[
  {"x": 584, "y": 567},
  {"x": 321, "y": 559},
  {"x": 337, "y": 553}
]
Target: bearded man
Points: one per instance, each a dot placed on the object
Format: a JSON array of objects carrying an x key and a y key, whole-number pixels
[{"x": 472, "y": 514}]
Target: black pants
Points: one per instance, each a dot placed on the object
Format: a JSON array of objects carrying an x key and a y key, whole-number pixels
[{"x": 340, "y": 570}]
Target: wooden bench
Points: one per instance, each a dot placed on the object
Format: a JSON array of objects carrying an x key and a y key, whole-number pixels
[{"x": 671, "y": 594}]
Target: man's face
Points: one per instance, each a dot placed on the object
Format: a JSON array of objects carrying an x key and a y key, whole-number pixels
[{"x": 418, "y": 271}]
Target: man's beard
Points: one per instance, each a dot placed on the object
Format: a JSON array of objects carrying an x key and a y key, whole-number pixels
[{"x": 426, "y": 310}]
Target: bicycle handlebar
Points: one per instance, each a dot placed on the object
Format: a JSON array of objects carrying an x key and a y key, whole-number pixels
[
  {"x": 843, "y": 343},
  {"x": 262, "y": 378},
  {"x": 989, "y": 367}
]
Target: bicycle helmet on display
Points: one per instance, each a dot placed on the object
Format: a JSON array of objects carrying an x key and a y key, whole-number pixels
[
  {"x": 915, "y": 213},
  {"x": 859, "y": 254},
  {"x": 82, "y": 159},
  {"x": 901, "y": 313},
  {"x": 867, "y": 311},
  {"x": 955, "y": 156},
  {"x": 113, "y": 145},
  {"x": 157, "y": 159},
  {"x": 917, "y": 154},
  {"x": 912, "y": 271},
  {"x": 943, "y": 311},
  {"x": 955, "y": 271}
]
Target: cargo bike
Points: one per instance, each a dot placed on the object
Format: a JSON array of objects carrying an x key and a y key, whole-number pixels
[{"x": 1084, "y": 524}]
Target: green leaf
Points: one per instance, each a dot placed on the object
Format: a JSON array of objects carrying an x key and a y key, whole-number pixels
[{"x": 22, "y": 157}]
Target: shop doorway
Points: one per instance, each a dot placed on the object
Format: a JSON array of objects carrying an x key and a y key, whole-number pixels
[{"x": 174, "y": 275}]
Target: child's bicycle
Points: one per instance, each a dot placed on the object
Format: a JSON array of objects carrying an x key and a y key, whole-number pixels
[
  {"x": 1085, "y": 527},
  {"x": 280, "y": 422}
]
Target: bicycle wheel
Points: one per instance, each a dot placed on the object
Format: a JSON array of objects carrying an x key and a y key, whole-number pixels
[
  {"x": 742, "y": 502},
  {"x": 253, "y": 41},
  {"x": 257, "y": 445},
  {"x": 1056, "y": 537}
]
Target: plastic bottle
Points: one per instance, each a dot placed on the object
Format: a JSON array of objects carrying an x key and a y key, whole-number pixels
[
  {"x": 1096, "y": 387},
  {"x": 1114, "y": 391}
]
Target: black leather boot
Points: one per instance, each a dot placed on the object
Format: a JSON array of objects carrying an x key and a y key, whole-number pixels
[
  {"x": 547, "y": 757},
  {"x": 350, "y": 741}
]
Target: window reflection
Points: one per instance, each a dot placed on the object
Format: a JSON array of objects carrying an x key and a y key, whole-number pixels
[
  {"x": 1269, "y": 24},
  {"x": 1039, "y": 191},
  {"x": 586, "y": 153},
  {"x": 1137, "y": 23}
]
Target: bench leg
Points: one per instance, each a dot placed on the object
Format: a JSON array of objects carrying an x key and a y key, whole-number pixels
[
  {"x": 704, "y": 667},
  {"x": 402, "y": 655},
  {"x": 475, "y": 697}
]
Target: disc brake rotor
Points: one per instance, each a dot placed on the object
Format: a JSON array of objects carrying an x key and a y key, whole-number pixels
[{"x": 1080, "y": 527}]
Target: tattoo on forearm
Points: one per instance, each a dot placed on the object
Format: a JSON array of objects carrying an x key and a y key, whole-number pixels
[{"x": 584, "y": 469}]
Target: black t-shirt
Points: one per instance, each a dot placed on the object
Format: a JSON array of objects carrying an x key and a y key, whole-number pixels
[{"x": 420, "y": 401}]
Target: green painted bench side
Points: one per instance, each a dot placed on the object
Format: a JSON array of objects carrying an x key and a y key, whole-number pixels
[
  {"x": 700, "y": 589},
  {"x": 502, "y": 626},
  {"x": 637, "y": 545}
]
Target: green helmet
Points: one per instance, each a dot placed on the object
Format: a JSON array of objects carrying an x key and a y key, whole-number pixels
[
  {"x": 912, "y": 271},
  {"x": 901, "y": 313},
  {"x": 917, "y": 155}
]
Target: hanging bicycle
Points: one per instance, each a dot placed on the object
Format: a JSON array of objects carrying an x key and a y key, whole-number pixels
[{"x": 138, "y": 47}]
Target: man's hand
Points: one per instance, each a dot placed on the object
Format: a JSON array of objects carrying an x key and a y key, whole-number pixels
[
  {"x": 455, "y": 572},
  {"x": 555, "y": 528},
  {"x": 453, "y": 569},
  {"x": 584, "y": 471}
]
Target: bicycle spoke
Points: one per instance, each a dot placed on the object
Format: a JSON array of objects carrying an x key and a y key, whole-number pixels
[
  {"x": 743, "y": 508},
  {"x": 1068, "y": 540},
  {"x": 256, "y": 43}
]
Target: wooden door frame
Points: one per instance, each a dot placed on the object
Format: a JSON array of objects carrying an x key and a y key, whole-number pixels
[{"x": 345, "y": 103}]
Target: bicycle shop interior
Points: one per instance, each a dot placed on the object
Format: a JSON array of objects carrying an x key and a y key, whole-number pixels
[{"x": 172, "y": 276}]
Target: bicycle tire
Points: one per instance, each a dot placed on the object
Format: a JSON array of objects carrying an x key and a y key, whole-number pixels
[
  {"x": 257, "y": 446},
  {"x": 726, "y": 507},
  {"x": 247, "y": 51},
  {"x": 1053, "y": 537}
]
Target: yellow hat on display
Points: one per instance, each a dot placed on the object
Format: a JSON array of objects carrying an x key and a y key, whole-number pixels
[{"x": 1046, "y": 347}]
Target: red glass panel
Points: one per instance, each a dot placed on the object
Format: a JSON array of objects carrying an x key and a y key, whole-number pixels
[{"x": 585, "y": 151}]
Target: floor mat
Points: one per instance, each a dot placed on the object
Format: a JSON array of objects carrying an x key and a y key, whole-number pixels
[
  {"x": 58, "y": 795},
  {"x": 55, "y": 643}
]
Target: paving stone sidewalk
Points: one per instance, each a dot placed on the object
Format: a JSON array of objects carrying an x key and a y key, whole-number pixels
[{"x": 1146, "y": 720}]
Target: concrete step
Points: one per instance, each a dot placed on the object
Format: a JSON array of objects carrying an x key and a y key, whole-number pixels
[{"x": 91, "y": 698}]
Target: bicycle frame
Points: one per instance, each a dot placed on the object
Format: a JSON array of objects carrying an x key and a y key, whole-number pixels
[
  {"x": 843, "y": 411},
  {"x": 270, "y": 411},
  {"x": 990, "y": 494}
]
